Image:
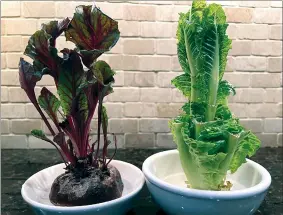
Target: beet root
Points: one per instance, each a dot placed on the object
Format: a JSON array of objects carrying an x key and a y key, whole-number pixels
[{"x": 92, "y": 187}]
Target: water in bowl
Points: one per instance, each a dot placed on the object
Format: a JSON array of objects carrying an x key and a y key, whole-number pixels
[{"x": 179, "y": 179}]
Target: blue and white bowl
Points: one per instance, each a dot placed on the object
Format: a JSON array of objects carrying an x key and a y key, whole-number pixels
[
  {"x": 35, "y": 191},
  {"x": 166, "y": 182}
]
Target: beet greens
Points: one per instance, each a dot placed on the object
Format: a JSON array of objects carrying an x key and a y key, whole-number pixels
[{"x": 81, "y": 90}]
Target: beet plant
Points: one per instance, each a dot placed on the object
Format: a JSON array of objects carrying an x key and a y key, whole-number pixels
[
  {"x": 210, "y": 139},
  {"x": 82, "y": 81}
]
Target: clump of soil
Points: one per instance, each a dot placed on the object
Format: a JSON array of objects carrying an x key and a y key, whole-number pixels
[{"x": 86, "y": 187}]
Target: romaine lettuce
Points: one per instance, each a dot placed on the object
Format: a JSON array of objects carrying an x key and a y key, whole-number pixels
[{"x": 209, "y": 138}]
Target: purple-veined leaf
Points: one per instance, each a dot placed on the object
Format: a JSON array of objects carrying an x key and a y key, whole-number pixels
[
  {"x": 71, "y": 77},
  {"x": 63, "y": 150},
  {"x": 73, "y": 99},
  {"x": 93, "y": 32},
  {"x": 99, "y": 80},
  {"x": 55, "y": 29},
  {"x": 39, "y": 50},
  {"x": 49, "y": 103},
  {"x": 102, "y": 72},
  {"x": 79, "y": 108},
  {"x": 60, "y": 139},
  {"x": 41, "y": 135},
  {"x": 28, "y": 78}
]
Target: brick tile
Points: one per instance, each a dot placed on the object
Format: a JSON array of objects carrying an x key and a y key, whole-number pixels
[
  {"x": 156, "y": 95},
  {"x": 165, "y": 110},
  {"x": 275, "y": 64},
  {"x": 145, "y": 140},
  {"x": 3, "y": 61},
  {"x": 166, "y": 47},
  {"x": 10, "y": 9},
  {"x": 267, "y": 48},
  {"x": 129, "y": 28},
  {"x": 11, "y": 44},
  {"x": 252, "y": 31},
  {"x": 4, "y": 94},
  {"x": 138, "y": 46},
  {"x": 139, "y": 12},
  {"x": 10, "y": 78},
  {"x": 5, "y": 128},
  {"x": 263, "y": 110},
  {"x": 153, "y": 125},
  {"x": 250, "y": 63},
  {"x": 155, "y": 63},
  {"x": 266, "y": 80},
  {"x": 267, "y": 15},
  {"x": 24, "y": 126},
  {"x": 139, "y": 79},
  {"x": 14, "y": 142},
  {"x": 124, "y": 95},
  {"x": 273, "y": 125},
  {"x": 21, "y": 26},
  {"x": 267, "y": 140},
  {"x": 123, "y": 126},
  {"x": 164, "y": 78},
  {"x": 156, "y": 29},
  {"x": 275, "y": 32},
  {"x": 243, "y": 15},
  {"x": 138, "y": 109},
  {"x": 9, "y": 111},
  {"x": 273, "y": 95},
  {"x": 255, "y": 125},
  {"x": 35, "y": 9},
  {"x": 165, "y": 140},
  {"x": 241, "y": 47}
]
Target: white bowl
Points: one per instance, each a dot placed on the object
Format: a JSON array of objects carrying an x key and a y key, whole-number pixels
[
  {"x": 35, "y": 191},
  {"x": 166, "y": 182}
]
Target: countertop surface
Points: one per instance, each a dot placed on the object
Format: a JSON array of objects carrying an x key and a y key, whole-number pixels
[{"x": 20, "y": 164}]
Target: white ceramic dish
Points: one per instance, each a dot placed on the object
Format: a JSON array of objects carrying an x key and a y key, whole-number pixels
[
  {"x": 166, "y": 182},
  {"x": 35, "y": 192}
]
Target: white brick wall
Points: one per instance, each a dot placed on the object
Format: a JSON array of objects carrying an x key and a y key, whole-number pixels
[{"x": 145, "y": 60}]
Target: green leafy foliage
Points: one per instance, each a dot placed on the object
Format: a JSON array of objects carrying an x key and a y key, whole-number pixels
[
  {"x": 247, "y": 147},
  {"x": 202, "y": 50},
  {"x": 183, "y": 83},
  {"x": 39, "y": 134},
  {"x": 81, "y": 81},
  {"x": 225, "y": 89},
  {"x": 104, "y": 118},
  {"x": 209, "y": 138},
  {"x": 223, "y": 113}
]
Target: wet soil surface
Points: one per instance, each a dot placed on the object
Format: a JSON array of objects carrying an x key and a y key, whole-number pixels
[
  {"x": 19, "y": 164},
  {"x": 86, "y": 187}
]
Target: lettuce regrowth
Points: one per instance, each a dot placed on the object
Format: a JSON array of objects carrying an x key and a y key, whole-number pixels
[
  {"x": 81, "y": 81},
  {"x": 209, "y": 138}
]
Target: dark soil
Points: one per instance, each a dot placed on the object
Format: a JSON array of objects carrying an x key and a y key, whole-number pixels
[{"x": 93, "y": 186}]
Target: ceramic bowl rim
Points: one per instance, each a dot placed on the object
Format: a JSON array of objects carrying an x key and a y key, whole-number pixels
[
  {"x": 85, "y": 207},
  {"x": 262, "y": 186}
]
